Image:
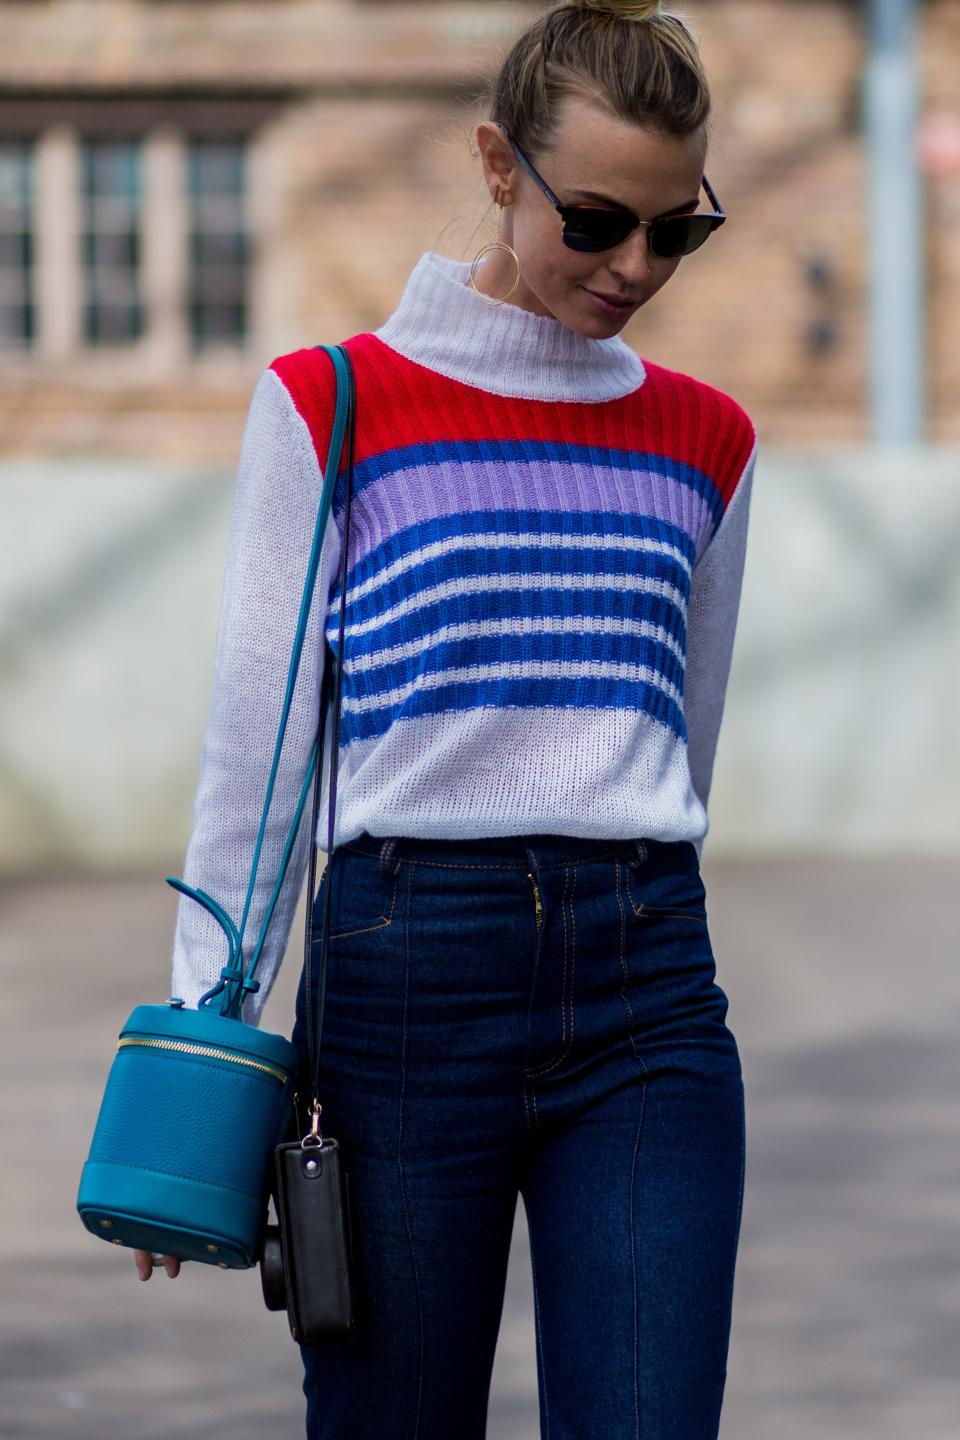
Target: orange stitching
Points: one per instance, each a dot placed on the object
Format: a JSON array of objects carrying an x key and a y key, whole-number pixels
[
  {"x": 316, "y": 931},
  {"x": 552, "y": 1064},
  {"x": 654, "y": 910},
  {"x": 641, "y": 908}
]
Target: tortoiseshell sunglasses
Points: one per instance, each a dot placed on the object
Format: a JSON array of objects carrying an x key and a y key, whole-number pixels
[{"x": 593, "y": 228}]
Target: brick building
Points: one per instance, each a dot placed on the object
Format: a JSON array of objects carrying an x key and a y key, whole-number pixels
[{"x": 189, "y": 187}]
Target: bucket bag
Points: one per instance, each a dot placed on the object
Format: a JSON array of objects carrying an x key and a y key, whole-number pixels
[{"x": 197, "y": 1111}]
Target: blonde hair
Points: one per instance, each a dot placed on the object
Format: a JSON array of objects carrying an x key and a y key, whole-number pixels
[
  {"x": 630, "y": 56},
  {"x": 629, "y": 9}
]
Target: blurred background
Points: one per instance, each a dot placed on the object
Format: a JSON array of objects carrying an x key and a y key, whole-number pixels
[{"x": 189, "y": 188}]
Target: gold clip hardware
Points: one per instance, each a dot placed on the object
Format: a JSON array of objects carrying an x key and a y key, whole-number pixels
[{"x": 313, "y": 1136}]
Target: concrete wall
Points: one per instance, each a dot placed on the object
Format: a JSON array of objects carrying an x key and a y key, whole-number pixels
[{"x": 840, "y": 734}]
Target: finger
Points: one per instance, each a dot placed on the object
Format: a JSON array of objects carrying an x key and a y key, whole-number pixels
[
  {"x": 144, "y": 1263},
  {"x": 172, "y": 1265}
]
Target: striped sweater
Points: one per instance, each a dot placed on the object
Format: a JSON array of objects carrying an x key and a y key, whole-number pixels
[{"x": 547, "y": 540}]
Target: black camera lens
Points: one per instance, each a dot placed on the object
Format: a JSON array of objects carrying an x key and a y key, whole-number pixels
[{"x": 271, "y": 1270}]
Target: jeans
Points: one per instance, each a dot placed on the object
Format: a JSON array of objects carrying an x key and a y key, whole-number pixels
[{"x": 539, "y": 1016}]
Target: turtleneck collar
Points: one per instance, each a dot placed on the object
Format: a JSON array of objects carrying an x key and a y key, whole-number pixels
[{"x": 442, "y": 323}]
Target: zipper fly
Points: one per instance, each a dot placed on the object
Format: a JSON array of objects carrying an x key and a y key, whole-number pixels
[
  {"x": 190, "y": 1049},
  {"x": 538, "y": 907}
]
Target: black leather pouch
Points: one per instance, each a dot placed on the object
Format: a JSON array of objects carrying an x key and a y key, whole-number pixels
[{"x": 313, "y": 1208}]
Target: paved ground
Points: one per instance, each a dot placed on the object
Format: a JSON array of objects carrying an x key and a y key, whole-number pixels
[{"x": 844, "y": 988}]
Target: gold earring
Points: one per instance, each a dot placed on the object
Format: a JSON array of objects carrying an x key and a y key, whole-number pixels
[{"x": 494, "y": 245}]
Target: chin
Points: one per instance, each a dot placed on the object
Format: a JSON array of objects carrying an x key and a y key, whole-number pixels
[{"x": 602, "y": 326}]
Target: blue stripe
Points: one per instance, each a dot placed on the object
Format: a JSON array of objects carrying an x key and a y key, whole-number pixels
[
  {"x": 569, "y": 605},
  {"x": 552, "y": 563},
  {"x": 527, "y": 693},
  {"x": 491, "y": 650},
  {"x": 453, "y": 566},
  {"x": 583, "y": 525}
]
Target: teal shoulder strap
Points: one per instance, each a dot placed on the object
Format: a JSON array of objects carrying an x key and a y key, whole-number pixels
[{"x": 234, "y": 985}]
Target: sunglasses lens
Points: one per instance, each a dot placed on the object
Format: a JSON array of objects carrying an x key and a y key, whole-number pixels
[
  {"x": 595, "y": 230},
  {"x": 680, "y": 235}
]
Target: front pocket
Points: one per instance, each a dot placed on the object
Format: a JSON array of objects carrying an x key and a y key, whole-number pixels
[
  {"x": 666, "y": 897},
  {"x": 364, "y": 899},
  {"x": 654, "y": 912}
]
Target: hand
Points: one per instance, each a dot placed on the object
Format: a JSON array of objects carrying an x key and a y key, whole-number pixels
[{"x": 144, "y": 1261}]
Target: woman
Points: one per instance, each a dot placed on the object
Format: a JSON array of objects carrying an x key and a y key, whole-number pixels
[{"x": 546, "y": 545}]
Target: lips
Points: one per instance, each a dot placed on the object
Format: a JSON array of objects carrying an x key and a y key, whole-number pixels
[{"x": 614, "y": 299}]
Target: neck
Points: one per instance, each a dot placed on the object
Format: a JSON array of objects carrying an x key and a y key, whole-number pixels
[{"x": 443, "y": 324}]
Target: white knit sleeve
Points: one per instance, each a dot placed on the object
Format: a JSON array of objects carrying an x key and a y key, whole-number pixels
[
  {"x": 279, "y": 480},
  {"x": 711, "y": 626}
]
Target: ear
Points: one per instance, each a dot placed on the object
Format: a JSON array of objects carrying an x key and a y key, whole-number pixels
[{"x": 499, "y": 166}]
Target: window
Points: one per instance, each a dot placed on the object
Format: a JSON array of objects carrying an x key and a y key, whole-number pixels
[
  {"x": 17, "y": 316},
  {"x": 110, "y": 240},
  {"x": 147, "y": 237},
  {"x": 218, "y": 242}
]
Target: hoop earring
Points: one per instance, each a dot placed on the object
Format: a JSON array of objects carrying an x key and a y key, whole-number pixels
[{"x": 494, "y": 245}]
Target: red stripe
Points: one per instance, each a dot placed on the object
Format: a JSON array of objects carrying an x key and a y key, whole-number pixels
[{"x": 400, "y": 402}]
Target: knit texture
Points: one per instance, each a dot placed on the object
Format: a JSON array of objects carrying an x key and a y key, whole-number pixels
[{"x": 546, "y": 550}]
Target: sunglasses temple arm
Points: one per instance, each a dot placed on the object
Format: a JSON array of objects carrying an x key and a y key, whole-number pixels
[{"x": 712, "y": 194}]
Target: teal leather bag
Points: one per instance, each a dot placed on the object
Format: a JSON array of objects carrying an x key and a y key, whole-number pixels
[{"x": 196, "y": 1100}]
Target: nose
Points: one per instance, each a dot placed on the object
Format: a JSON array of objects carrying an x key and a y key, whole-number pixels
[{"x": 631, "y": 259}]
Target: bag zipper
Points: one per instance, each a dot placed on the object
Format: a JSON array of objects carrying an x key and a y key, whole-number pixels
[{"x": 191, "y": 1049}]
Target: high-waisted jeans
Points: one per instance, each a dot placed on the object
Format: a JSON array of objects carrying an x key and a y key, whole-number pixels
[{"x": 539, "y": 1016}]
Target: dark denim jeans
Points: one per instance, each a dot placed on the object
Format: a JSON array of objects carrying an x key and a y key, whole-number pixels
[{"x": 533, "y": 1015}]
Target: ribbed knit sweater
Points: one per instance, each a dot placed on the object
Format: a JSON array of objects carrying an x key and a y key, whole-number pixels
[{"x": 547, "y": 541}]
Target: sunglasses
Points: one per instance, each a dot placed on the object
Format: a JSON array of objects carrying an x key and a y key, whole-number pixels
[{"x": 592, "y": 228}]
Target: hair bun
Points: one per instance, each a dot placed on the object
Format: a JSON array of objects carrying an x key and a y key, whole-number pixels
[{"x": 626, "y": 9}]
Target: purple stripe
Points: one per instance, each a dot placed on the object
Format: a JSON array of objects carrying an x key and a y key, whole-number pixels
[{"x": 409, "y": 496}]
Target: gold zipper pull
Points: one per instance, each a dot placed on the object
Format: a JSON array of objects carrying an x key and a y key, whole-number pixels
[{"x": 538, "y": 908}]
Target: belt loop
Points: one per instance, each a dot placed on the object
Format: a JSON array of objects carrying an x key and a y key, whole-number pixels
[
  {"x": 641, "y": 850},
  {"x": 388, "y": 864}
]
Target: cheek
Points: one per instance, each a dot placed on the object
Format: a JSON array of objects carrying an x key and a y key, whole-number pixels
[
  {"x": 552, "y": 269},
  {"x": 560, "y": 281},
  {"x": 660, "y": 273},
  {"x": 536, "y": 237}
]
